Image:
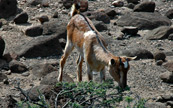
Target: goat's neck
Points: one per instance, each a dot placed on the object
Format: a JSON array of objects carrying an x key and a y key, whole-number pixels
[{"x": 102, "y": 56}]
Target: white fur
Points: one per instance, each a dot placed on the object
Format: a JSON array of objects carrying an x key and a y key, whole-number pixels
[
  {"x": 125, "y": 64},
  {"x": 89, "y": 33},
  {"x": 72, "y": 10}
]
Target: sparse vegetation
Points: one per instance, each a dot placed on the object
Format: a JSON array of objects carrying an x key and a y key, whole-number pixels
[{"x": 88, "y": 94}]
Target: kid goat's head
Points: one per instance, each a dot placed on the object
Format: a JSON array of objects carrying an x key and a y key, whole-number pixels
[{"x": 118, "y": 68}]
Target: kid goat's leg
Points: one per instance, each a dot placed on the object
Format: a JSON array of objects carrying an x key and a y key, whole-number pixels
[
  {"x": 89, "y": 73},
  {"x": 79, "y": 68},
  {"x": 68, "y": 49},
  {"x": 102, "y": 75}
]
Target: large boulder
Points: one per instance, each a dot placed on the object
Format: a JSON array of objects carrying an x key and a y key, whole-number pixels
[
  {"x": 2, "y": 46},
  {"x": 140, "y": 53},
  {"x": 147, "y": 6},
  {"x": 143, "y": 20},
  {"x": 42, "y": 46},
  {"x": 55, "y": 27},
  {"x": 34, "y": 31},
  {"x": 160, "y": 33},
  {"x": 7, "y": 8}
]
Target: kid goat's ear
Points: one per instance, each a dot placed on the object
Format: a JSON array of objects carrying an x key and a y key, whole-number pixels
[
  {"x": 112, "y": 62},
  {"x": 77, "y": 6}
]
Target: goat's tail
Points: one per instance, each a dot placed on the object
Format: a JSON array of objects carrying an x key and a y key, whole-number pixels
[{"x": 75, "y": 9}]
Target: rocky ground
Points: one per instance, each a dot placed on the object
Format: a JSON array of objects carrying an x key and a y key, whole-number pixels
[{"x": 38, "y": 47}]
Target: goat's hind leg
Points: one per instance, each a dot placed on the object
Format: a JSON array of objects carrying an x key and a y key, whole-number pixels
[
  {"x": 68, "y": 49},
  {"x": 79, "y": 68}
]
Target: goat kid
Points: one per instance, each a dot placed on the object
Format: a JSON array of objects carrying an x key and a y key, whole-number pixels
[{"x": 82, "y": 35}]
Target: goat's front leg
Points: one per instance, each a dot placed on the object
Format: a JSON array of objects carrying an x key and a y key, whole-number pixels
[
  {"x": 89, "y": 73},
  {"x": 79, "y": 68},
  {"x": 102, "y": 75},
  {"x": 68, "y": 49}
]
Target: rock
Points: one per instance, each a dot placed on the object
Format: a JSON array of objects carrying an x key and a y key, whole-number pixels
[
  {"x": 170, "y": 37},
  {"x": 159, "y": 33},
  {"x": 1, "y": 24},
  {"x": 43, "y": 18},
  {"x": 55, "y": 15},
  {"x": 83, "y": 5},
  {"x": 45, "y": 3},
  {"x": 100, "y": 26},
  {"x": 165, "y": 98},
  {"x": 51, "y": 78},
  {"x": 17, "y": 67},
  {"x": 169, "y": 66},
  {"x": 25, "y": 74},
  {"x": 8, "y": 8},
  {"x": 34, "y": 2},
  {"x": 34, "y": 92},
  {"x": 169, "y": 103},
  {"x": 42, "y": 46},
  {"x": 2, "y": 77},
  {"x": 67, "y": 3},
  {"x": 41, "y": 70},
  {"x": 133, "y": 1},
  {"x": 155, "y": 105},
  {"x": 131, "y": 5},
  {"x": 169, "y": 14},
  {"x": 62, "y": 42},
  {"x": 55, "y": 27},
  {"x": 10, "y": 56},
  {"x": 8, "y": 102},
  {"x": 159, "y": 56},
  {"x": 167, "y": 77},
  {"x": 148, "y": 6},
  {"x": 143, "y": 20},
  {"x": 34, "y": 31},
  {"x": 2, "y": 46},
  {"x": 140, "y": 53},
  {"x": 111, "y": 13},
  {"x": 98, "y": 15},
  {"x": 21, "y": 18},
  {"x": 5, "y": 81},
  {"x": 101, "y": 16},
  {"x": 130, "y": 30},
  {"x": 159, "y": 62},
  {"x": 118, "y": 3},
  {"x": 3, "y": 64}
]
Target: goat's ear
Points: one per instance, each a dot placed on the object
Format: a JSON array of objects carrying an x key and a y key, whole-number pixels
[
  {"x": 112, "y": 62},
  {"x": 77, "y": 6},
  {"x": 131, "y": 58}
]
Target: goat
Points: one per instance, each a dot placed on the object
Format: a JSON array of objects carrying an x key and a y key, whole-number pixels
[{"x": 82, "y": 35}]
